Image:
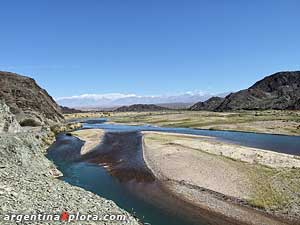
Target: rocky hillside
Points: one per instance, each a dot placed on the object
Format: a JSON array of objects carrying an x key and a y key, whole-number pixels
[
  {"x": 28, "y": 184},
  {"x": 209, "y": 105},
  {"x": 140, "y": 108},
  {"x": 30, "y": 104},
  {"x": 278, "y": 91}
]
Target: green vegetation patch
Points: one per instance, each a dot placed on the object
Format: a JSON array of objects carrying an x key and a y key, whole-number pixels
[{"x": 275, "y": 189}]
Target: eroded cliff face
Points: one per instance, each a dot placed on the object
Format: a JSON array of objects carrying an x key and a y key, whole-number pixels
[{"x": 31, "y": 104}]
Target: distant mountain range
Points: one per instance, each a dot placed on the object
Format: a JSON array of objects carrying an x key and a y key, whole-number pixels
[
  {"x": 30, "y": 102},
  {"x": 140, "y": 108},
  {"x": 93, "y": 101},
  {"x": 67, "y": 110},
  {"x": 277, "y": 91}
]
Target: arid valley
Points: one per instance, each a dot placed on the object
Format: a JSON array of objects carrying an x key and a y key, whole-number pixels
[{"x": 150, "y": 112}]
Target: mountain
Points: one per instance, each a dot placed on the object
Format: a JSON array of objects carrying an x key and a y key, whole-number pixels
[
  {"x": 27, "y": 101},
  {"x": 176, "y": 105},
  {"x": 277, "y": 91},
  {"x": 118, "y": 99},
  {"x": 68, "y": 110},
  {"x": 209, "y": 105},
  {"x": 140, "y": 108}
]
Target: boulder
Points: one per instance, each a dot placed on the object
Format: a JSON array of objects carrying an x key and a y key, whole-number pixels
[{"x": 8, "y": 122}]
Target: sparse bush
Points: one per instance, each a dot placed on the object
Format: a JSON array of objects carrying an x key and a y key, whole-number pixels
[
  {"x": 55, "y": 129},
  {"x": 59, "y": 128},
  {"x": 30, "y": 123}
]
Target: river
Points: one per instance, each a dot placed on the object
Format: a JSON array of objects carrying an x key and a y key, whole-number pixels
[{"x": 130, "y": 184}]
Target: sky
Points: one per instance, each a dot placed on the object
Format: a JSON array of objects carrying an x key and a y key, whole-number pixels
[{"x": 153, "y": 47}]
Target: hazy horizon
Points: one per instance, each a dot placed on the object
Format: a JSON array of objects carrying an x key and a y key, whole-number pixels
[{"x": 118, "y": 99}]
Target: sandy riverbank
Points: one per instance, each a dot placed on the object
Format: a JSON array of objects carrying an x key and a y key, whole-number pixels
[
  {"x": 226, "y": 178},
  {"x": 91, "y": 138}
]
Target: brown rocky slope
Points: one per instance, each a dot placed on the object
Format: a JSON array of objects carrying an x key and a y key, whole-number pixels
[
  {"x": 277, "y": 91},
  {"x": 30, "y": 104},
  {"x": 208, "y": 105},
  {"x": 140, "y": 108}
]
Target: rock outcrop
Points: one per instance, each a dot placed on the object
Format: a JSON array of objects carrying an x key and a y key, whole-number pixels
[
  {"x": 209, "y": 105},
  {"x": 140, "y": 108},
  {"x": 30, "y": 104},
  {"x": 296, "y": 105},
  {"x": 8, "y": 122},
  {"x": 278, "y": 91}
]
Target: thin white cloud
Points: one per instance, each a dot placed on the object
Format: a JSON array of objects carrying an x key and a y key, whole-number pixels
[{"x": 111, "y": 96}]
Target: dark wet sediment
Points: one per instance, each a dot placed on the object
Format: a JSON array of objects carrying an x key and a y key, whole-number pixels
[{"x": 120, "y": 153}]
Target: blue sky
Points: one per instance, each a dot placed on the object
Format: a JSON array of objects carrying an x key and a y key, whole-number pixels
[{"x": 148, "y": 47}]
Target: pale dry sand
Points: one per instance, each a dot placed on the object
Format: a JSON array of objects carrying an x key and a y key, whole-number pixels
[
  {"x": 245, "y": 154},
  {"x": 91, "y": 137},
  {"x": 177, "y": 159},
  {"x": 211, "y": 174}
]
